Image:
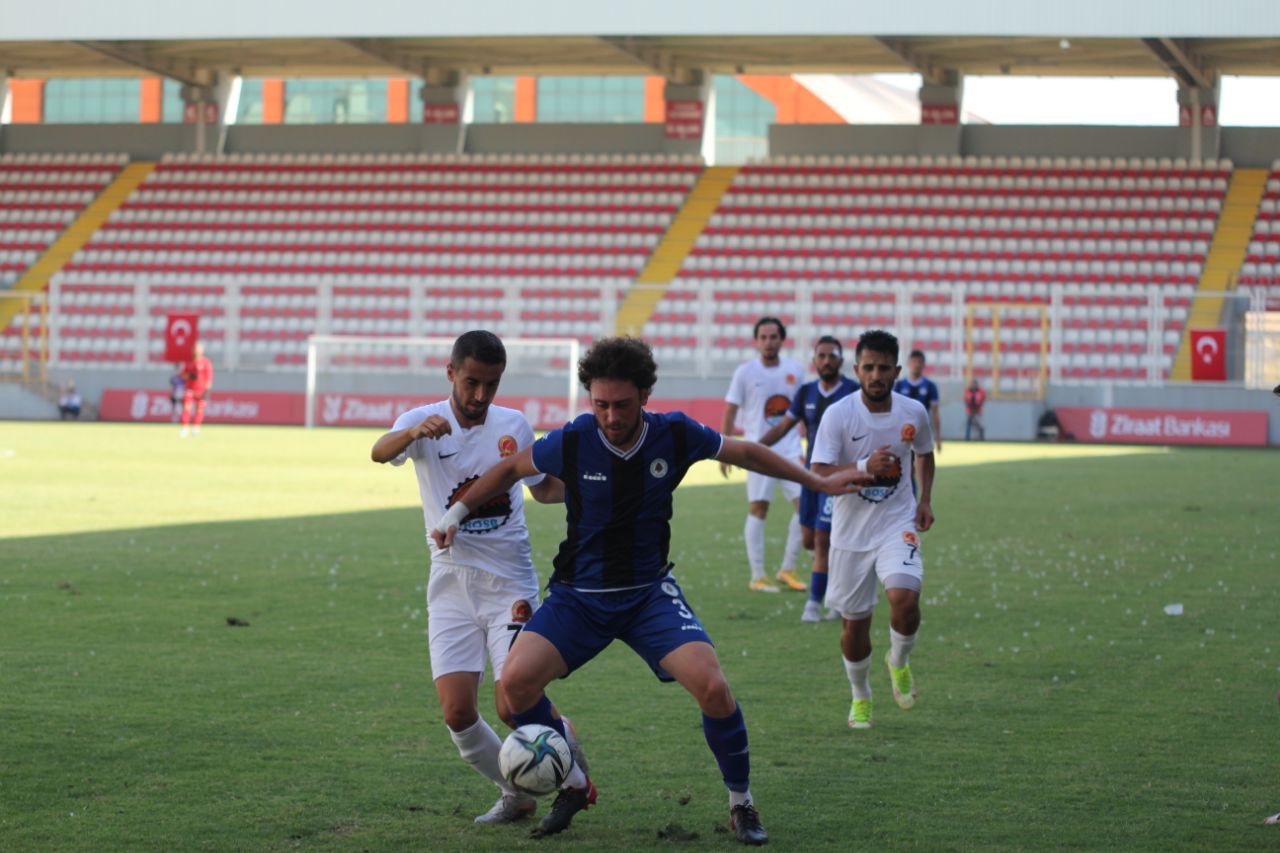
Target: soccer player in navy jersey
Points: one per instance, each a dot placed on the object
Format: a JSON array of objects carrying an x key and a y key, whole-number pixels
[
  {"x": 808, "y": 405},
  {"x": 612, "y": 578}
]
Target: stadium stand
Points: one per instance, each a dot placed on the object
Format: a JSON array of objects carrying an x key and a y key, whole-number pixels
[
  {"x": 1260, "y": 272},
  {"x": 891, "y": 240},
  {"x": 388, "y": 245}
]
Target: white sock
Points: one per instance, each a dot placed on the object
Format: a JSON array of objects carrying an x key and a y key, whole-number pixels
[
  {"x": 737, "y": 798},
  {"x": 794, "y": 540},
  {"x": 900, "y": 646},
  {"x": 479, "y": 746},
  {"x": 753, "y": 532},
  {"x": 859, "y": 677},
  {"x": 576, "y": 778}
]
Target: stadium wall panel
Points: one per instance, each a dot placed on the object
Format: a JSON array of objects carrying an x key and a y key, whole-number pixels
[
  {"x": 139, "y": 141},
  {"x": 342, "y": 139},
  {"x": 568, "y": 139},
  {"x": 1251, "y": 147}
]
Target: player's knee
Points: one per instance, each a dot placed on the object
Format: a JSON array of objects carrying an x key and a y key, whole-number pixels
[
  {"x": 714, "y": 696},
  {"x": 460, "y": 716},
  {"x": 807, "y": 538}
]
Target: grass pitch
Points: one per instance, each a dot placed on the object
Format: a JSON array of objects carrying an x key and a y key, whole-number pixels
[{"x": 1059, "y": 708}]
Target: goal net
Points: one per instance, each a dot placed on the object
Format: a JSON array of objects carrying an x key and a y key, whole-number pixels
[{"x": 354, "y": 379}]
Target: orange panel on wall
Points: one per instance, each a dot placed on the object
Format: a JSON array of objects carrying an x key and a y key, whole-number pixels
[
  {"x": 28, "y": 101},
  {"x": 794, "y": 103},
  {"x": 397, "y": 101},
  {"x": 655, "y": 102},
  {"x": 526, "y": 99},
  {"x": 151, "y": 110},
  {"x": 272, "y": 101}
]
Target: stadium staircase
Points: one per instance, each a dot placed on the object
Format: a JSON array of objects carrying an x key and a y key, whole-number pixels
[
  {"x": 1227, "y": 254},
  {"x": 669, "y": 255},
  {"x": 77, "y": 234}
]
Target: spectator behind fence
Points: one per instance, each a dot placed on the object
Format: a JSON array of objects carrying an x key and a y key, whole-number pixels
[
  {"x": 69, "y": 403},
  {"x": 974, "y": 398}
]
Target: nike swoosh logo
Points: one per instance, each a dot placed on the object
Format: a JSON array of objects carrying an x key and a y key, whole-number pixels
[
  {"x": 860, "y": 437},
  {"x": 447, "y": 455}
]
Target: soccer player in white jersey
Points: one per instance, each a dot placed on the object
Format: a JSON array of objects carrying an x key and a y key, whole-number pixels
[
  {"x": 761, "y": 391},
  {"x": 875, "y": 534},
  {"x": 484, "y": 589}
]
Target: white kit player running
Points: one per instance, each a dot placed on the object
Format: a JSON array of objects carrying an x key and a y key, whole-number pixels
[
  {"x": 875, "y": 534},
  {"x": 761, "y": 391},
  {"x": 482, "y": 589}
]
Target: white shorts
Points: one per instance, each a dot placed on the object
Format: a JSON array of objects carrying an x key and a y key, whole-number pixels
[
  {"x": 472, "y": 614},
  {"x": 760, "y": 487},
  {"x": 852, "y": 576}
]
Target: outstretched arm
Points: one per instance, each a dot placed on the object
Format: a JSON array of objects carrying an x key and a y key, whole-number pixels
[
  {"x": 498, "y": 479},
  {"x": 549, "y": 491},
  {"x": 935, "y": 420},
  {"x": 762, "y": 460}
]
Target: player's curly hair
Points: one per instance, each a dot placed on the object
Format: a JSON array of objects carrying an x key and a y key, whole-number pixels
[
  {"x": 625, "y": 358},
  {"x": 878, "y": 340}
]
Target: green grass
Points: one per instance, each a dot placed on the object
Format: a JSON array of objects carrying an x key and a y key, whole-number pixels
[{"x": 1059, "y": 706}]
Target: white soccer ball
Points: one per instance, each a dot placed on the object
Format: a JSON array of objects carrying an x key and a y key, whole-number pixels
[{"x": 535, "y": 759}]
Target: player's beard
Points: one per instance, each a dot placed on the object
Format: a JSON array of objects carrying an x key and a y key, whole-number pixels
[
  {"x": 879, "y": 396},
  {"x": 474, "y": 412},
  {"x": 624, "y": 439},
  {"x": 828, "y": 373}
]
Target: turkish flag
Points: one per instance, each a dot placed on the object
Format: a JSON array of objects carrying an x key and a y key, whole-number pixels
[
  {"x": 1209, "y": 355},
  {"x": 180, "y": 334}
]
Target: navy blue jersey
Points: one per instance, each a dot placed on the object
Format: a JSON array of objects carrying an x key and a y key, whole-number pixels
[
  {"x": 923, "y": 392},
  {"x": 618, "y": 505},
  {"x": 809, "y": 403}
]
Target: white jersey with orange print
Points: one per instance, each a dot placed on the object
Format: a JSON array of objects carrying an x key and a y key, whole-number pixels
[
  {"x": 763, "y": 394},
  {"x": 864, "y": 520},
  {"x": 494, "y": 536}
]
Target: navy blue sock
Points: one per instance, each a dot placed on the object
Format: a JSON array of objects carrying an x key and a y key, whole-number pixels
[
  {"x": 817, "y": 586},
  {"x": 727, "y": 737},
  {"x": 540, "y": 714}
]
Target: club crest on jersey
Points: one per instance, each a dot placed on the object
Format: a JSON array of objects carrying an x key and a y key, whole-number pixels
[
  {"x": 507, "y": 446},
  {"x": 908, "y": 432},
  {"x": 670, "y": 589},
  {"x": 492, "y": 515},
  {"x": 521, "y": 611},
  {"x": 791, "y": 379},
  {"x": 775, "y": 407},
  {"x": 911, "y": 539},
  {"x": 658, "y": 468}
]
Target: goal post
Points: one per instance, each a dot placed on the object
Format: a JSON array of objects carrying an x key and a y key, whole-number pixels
[{"x": 350, "y": 363}]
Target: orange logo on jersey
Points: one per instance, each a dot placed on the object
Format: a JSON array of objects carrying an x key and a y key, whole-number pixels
[
  {"x": 791, "y": 379},
  {"x": 911, "y": 539},
  {"x": 507, "y": 446},
  {"x": 776, "y": 406},
  {"x": 908, "y": 432},
  {"x": 521, "y": 611}
]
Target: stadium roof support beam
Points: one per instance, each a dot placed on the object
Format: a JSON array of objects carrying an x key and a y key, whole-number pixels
[
  {"x": 375, "y": 49},
  {"x": 928, "y": 68},
  {"x": 186, "y": 73},
  {"x": 661, "y": 62},
  {"x": 1180, "y": 58}
]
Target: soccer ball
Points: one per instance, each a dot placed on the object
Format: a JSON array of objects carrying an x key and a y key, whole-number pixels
[{"x": 535, "y": 759}]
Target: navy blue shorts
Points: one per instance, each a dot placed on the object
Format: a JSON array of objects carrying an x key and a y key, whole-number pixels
[
  {"x": 815, "y": 510},
  {"x": 653, "y": 621}
]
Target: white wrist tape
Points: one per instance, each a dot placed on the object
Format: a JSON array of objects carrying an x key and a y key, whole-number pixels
[
  {"x": 453, "y": 517},
  {"x": 862, "y": 464}
]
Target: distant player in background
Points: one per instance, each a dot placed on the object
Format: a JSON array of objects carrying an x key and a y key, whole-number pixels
[
  {"x": 176, "y": 385},
  {"x": 197, "y": 376},
  {"x": 920, "y": 388},
  {"x": 762, "y": 390},
  {"x": 974, "y": 399},
  {"x": 807, "y": 407},
  {"x": 484, "y": 588},
  {"x": 875, "y": 534},
  {"x": 613, "y": 581}
]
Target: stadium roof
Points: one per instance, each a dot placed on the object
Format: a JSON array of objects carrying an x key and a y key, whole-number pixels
[
  {"x": 671, "y": 56},
  {"x": 433, "y": 38}
]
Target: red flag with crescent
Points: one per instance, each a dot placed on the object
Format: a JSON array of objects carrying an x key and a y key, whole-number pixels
[
  {"x": 180, "y": 334},
  {"x": 1208, "y": 355}
]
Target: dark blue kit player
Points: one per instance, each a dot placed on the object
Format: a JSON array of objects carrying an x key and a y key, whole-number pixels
[{"x": 612, "y": 579}]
